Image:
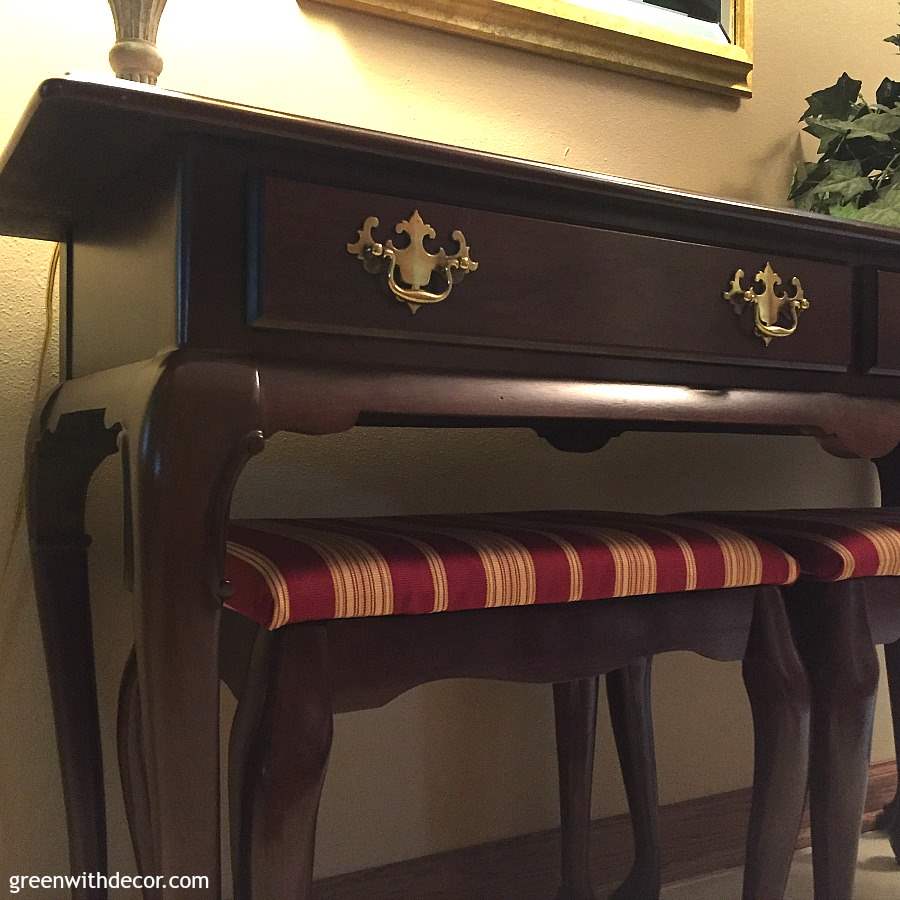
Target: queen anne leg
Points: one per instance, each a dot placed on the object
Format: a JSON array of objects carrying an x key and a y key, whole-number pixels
[
  {"x": 628, "y": 693},
  {"x": 832, "y": 631},
  {"x": 779, "y": 698},
  {"x": 575, "y": 703},
  {"x": 284, "y": 722},
  {"x": 60, "y": 466},
  {"x": 178, "y": 495}
]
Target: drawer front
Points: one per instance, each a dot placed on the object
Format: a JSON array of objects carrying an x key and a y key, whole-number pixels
[
  {"x": 539, "y": 284},
  {"x": 887, "y": 356}
]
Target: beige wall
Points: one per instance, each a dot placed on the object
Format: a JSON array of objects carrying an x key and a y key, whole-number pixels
[{"x": 455, "y": 763}]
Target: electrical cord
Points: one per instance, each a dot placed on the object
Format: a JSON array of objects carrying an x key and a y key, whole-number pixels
[{"x": 35, "y": 403}]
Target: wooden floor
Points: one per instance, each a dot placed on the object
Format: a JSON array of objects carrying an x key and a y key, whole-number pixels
[{"x": 526, "y": 868}]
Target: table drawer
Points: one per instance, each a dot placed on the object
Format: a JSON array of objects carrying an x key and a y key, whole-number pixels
[
  {"x": 539, "y": 284},
  {"x": 887, "y": 353}
]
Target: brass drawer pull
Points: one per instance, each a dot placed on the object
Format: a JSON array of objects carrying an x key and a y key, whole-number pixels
[
  {"x": 415, "y": 264},
  {"x": 768, "y": 304}
]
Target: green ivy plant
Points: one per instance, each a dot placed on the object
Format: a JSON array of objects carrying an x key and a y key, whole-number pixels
[{"x": 856, "y": 175}]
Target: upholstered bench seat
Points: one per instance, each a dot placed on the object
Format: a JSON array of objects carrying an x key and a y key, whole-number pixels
[
  {"x": 829, "y": 544},
  {"x": 285, "y": 571}
]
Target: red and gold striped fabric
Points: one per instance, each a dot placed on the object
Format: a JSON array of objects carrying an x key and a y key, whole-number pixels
[
  {"x": 287, "y": 571},
  {"x": 829, "y": 544}
]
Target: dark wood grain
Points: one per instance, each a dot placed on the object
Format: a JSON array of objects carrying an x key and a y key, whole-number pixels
[
  {"x": 88, "y": 119},
  {"x": 223, "y": 243},
  {"x": 180, "y": 486},
  {"x": 604, "y": 296},
  {"x": 834, "y": 638},
  {"x": 189, "y": 144},
  {"x": 631, "y": 714},
  {"x": 549, "y": 644},
  {"x": 60, "y": 466},
  {"x": 779, "y": 699},
  {"x": 132, "y": 771},
  {"x": 285, "y": 767},
  {"x": 318, "y": 399},
  {"x": 122, "y": 276},
  {"x": 888, "y": 346},
  {"x": 575, "y": 708}
]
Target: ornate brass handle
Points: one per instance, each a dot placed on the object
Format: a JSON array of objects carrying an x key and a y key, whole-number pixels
[
  {"x": 768, "y": 304},
  {"x": 416, "y": 265}
]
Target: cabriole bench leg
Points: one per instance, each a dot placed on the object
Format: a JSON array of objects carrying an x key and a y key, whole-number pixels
[
  {"x": 831, "y": 627},
  {"x": 630, "y": 709},
  {"x": 284, "y": 760},
  {"x": 575, "y": 705},
  {"x": 779, "y": 698}
]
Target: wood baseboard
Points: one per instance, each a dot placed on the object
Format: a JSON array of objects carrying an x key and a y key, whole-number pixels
[{"x": 526, "y": 868}]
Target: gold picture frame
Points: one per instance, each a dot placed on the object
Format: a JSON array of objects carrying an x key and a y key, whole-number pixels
[{"x": 571, "y": 31}]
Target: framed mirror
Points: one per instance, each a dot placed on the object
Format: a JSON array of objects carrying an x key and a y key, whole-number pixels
[{"x": 701, "y": 43}]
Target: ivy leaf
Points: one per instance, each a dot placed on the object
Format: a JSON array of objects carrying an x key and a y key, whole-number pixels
[
  {"x": 829, "y": 134},
  {"x": 834, "y": 101},
  {"x": 844, "y": 211},
  {"x": 884, "y": 211},
  {"x": 889, "y": 216},
  {"x": 888, "y": 93},
  {"x": 875, "y": 125},
  {"x": 845, "y": 180},
  {"x": 810, "y": 202},
  {"x": 807, "y": 176}
]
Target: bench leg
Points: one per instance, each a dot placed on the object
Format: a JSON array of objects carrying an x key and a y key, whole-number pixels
[
  {"x": 281, "y": 745},
  {"x": 779, "y": 698},
  {"x": 628, "y": 693},
  {"x": 575, "y": 704},
  {"x": 889, "y": 819},
  {"x": 831, "y": 627}
]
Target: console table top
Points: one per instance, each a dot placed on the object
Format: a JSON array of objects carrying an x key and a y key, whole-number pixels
[{"x": 49, "y": 171}]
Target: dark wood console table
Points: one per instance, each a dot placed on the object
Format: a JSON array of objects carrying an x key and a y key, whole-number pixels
[{"x": 209, "y": 301}]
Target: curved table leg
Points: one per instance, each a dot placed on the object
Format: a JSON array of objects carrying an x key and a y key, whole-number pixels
[
  {"x": 282, "y": 742},
  {"x": 779, "y": 698},
  {"x": 132, "y": 772},
  {"x": 178, "y": 492},
  {"x": 60, "y": 465},
  {"x": 631, "y": 713},
  {"x": 575, "y": 705},
  {"x": 831, "y": 627}
]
